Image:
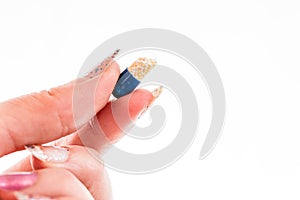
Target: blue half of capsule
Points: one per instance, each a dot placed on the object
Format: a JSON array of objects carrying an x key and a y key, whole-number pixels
[{"x": 125, "y": 84}]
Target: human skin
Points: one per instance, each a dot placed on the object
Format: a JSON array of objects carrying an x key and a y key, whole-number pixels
[{"x": 47, "y": 117}]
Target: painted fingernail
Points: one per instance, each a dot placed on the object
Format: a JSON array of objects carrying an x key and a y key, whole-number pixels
[
  {"x": 17, "y": 181},
  {"x": 103, "y": 65},
  {"x": 156, "y": 93},
  {"x": 22, "y": 196},
  {"x": 49, "y": 153}
]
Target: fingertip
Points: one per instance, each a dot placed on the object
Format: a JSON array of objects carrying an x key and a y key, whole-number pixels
[
  {"x": 114, "y": 68},
  {"x": 112, "y": 72},
  {"x": 115, "y": 117},
  {"x": 106, "y": 84},
  {"x": 139, "y": 101}
]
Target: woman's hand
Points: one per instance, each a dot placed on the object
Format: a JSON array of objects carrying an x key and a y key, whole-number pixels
[{"x": 69, "y": 172}]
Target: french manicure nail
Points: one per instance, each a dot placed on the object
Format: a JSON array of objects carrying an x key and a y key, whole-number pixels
[
  {"x": 49, "y": 153},
  {"x": 156, "y": 93},
  {"x": 17, "y": 181},
  {"x": 22, "y": 196},
  {"x": 103, "y": 65}
]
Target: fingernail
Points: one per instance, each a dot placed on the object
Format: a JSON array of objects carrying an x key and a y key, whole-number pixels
[
  {"x": 156, "y": 93},
  {"x": 22, "y": 196},
  {"x": 103, "y": 65},
  {"x": 49, "y": 153},
  {"x": 17, "y": 181}
]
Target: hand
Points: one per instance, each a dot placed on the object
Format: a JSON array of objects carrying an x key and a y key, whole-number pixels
[{"x": 69, "y": 172}]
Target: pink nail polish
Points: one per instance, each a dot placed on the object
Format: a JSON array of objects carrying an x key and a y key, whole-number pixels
[{"x": 17, "y": 181}]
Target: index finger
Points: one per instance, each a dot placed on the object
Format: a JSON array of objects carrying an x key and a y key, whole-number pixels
[{"x": 48, "y": 115}]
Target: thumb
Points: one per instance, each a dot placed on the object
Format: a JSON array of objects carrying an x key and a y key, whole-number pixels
[{"x": 48, "y": 115}]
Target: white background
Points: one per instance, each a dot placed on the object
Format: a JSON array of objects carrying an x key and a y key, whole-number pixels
[{"x": 255, "y": 46}]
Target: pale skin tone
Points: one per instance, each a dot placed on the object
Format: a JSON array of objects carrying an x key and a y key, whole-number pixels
[{"x": 47, "y": 117}]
